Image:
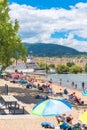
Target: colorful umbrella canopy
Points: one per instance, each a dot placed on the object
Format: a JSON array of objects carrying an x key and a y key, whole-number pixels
[
  {"x": 4, "y": 74},
  {"x": 15, "y": 75},
  {"x": 84, "y": 92},
  {"x": 83, "y": 117},
  {"x": 51, "y": 107}
]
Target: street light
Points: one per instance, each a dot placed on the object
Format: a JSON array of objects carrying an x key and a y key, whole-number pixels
[
  {"x": 30, "y": 53},
  {"x": 45, "y": 68}
]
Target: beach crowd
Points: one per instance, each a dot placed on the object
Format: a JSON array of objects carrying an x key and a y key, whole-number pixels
[{"x": 48, "y": 90}]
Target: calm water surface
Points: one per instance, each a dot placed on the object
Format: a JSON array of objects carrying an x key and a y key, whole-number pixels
[{"x": 67, "y": 79}]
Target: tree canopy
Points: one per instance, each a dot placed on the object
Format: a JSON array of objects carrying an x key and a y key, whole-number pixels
[
  {"x": 11, "y": 46},
  {"x": 86, "y": 67},
  {"x": 69, "y": 64}
]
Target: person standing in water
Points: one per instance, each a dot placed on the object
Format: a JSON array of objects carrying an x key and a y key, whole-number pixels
[
  {"x": 60, "y": 82},
  {"x": 83, "y": 84}
]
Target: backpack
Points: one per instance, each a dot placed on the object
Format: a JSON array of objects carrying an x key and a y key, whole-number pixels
[{"x": 47, "y": 125}]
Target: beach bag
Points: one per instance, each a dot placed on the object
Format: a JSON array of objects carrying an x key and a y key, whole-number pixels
[
  {"x": 65, "y": 91},
  {"x": 44, "y": 97},
  {"x": 64, "y": 126},
  {"x": 37, "y": 96},
  {"x": 29, "y": 86},
  {"x": 47, "y": 125}
]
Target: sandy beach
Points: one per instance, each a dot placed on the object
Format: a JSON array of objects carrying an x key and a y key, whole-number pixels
[{"x": 27, "y": 96}]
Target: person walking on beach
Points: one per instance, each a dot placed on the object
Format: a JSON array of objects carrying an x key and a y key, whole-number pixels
[
  {"x": 50, "y": 81},
  {"x": 60, "y": 82},
  {"x": 75, "y": 86}
]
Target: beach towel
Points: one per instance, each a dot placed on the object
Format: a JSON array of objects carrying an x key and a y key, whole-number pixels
[
  {"x": 47, "y": 125},
  {"x": 76, "y": 128}
]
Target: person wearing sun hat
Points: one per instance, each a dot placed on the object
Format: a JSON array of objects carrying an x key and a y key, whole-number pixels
[
  {"x": 69, "y": 120},
  {"x": 65, "y": 124}
]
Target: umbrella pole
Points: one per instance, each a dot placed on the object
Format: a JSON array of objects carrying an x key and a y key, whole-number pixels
[{"x": 58, "y": 121}]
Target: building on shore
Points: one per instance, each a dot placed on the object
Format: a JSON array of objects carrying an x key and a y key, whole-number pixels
[{"x": 29, "y": 67}]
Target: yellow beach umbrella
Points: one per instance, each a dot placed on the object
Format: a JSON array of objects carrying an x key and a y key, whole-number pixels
[{"x": 83, "y": 117}]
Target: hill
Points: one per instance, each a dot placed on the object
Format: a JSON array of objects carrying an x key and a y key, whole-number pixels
[{"x": 43, "y": 49}]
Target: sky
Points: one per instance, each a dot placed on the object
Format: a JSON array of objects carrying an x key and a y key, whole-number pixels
[{"x": 62, "y": 22}]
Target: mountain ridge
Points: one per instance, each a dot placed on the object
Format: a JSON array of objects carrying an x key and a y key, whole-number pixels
[{"x": 49, "y": 49}]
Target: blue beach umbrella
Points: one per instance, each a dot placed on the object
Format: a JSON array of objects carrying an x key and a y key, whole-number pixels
[
  {"x": 51, "y": 107},
  {"x": 84, "y": 92},
  {"x": 22, "y": 81}
]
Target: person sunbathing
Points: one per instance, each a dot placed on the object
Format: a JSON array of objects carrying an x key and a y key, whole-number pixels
[
  {"x": 65, "y": 123},
  {"x": 78, "y": 100},
  {"x": 74, "y": 99}
]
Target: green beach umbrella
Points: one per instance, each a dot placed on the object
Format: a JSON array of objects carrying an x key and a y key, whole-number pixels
[{"x": 51, "y": 107}]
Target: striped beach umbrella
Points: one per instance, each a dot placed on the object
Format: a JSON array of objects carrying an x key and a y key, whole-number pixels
[
  {"x": 51, "y": 107},
  {"x": 15, "y": 75},
  {"x": 84, "y": 92},
  {"x": 83, "y": 117}
]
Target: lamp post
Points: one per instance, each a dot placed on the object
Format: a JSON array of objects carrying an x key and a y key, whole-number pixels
[
  {"x": 45, "y": 64},
  {"x": 30, "y": 54},
  {"x": 45, "y": 68}
]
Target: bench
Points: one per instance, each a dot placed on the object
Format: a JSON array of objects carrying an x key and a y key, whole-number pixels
[
  {"x": 21, "y": 105},
  {"x": 17, "y": 107}
]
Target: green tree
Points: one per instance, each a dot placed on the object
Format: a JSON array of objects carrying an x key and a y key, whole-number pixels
[
  {"x": 69, "y": 64},
  {"x": 51, "y": 66},
  {"x": 10, "y": 41},
  {"x": 86, "y": 67},
  {"x": 75, "y": 69},
  {"x": 63, "y": 69},
  {"x": 42, "y": 64}
]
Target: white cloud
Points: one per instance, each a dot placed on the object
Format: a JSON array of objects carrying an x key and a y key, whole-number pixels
[
  {"x": 38, "y": 25},
  {"x": 71, "y": 42}
]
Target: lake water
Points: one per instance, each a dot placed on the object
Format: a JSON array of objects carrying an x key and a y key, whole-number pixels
[{"x": 67, "y": 79}]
